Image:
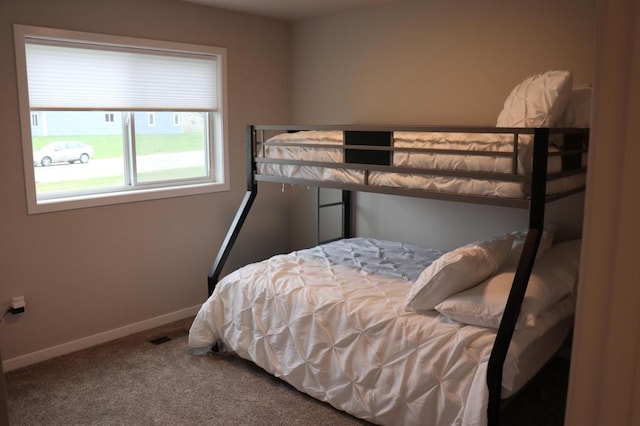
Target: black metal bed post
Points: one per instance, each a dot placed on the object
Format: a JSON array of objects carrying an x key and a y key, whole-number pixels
[
  {"x": 346, "y": 214},
  {"x": 521, "y": 279},
  {"x": 241, "y": 214}
]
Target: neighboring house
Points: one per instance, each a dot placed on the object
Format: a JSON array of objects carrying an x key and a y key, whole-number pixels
[{"x": 64, "y": 123}]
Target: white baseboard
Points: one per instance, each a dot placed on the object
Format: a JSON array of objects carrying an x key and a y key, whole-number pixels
[{"x": 96, "y": 339}]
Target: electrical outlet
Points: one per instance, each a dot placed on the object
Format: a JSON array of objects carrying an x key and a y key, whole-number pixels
[{"x": 18, "y": 305}]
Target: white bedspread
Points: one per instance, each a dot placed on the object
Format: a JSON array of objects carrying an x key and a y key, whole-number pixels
[
  {"x": 300, "y": 146},
  {"x": 280, "y": 147},
  {"x": 331, "y": 322}
]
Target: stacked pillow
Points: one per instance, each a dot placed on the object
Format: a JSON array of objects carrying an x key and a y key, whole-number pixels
[
  {"x": 512, "y": 259},
  {"x": 456, "y": 271},
  {"x": 471, "y": 284},
  {"x": 539, "y": 101},
  {"x": 553, "y": 278},
  {"x": 578, "y": 113}
]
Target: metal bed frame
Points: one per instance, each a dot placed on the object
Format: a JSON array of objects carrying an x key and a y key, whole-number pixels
[{"x": 367, "y": 158}]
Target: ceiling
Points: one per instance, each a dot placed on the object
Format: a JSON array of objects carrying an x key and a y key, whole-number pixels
[{"x": 290, "y": 9}]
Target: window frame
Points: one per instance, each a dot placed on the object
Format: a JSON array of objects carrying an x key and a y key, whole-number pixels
[{"x": 218, "y": 147}]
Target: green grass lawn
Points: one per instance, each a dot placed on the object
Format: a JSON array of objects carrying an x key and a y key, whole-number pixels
[
  {"x": 110, "y": 146},
  {"x": 72, "y": 185}
]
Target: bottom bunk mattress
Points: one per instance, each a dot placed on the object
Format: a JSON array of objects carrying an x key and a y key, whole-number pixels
[{"x": 331, "y": 321}]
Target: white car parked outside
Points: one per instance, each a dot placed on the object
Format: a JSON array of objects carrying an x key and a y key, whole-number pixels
[{"x": 62, "y": 152}]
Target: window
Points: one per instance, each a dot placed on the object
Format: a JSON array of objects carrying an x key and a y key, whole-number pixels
[{"x": 126, "y": 119}]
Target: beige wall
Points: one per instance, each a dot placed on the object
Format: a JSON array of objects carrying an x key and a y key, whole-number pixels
[
  {"x": 4, "y": 410},
  {"x": 436, "y": 62},
  {"x": 93, "y": 273}
]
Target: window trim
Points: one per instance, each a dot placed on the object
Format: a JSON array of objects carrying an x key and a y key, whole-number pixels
[{"x": 219, "y": 150}]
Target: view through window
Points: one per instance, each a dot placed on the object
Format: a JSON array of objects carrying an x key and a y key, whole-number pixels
[
  {"x": 112, "y": 117},
  {"x": 80, "y": 152}
]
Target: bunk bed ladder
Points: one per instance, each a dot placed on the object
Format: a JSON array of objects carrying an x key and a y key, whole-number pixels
[
  {"x": 354, "y": 140},
  {"x": 345, "y": 216},
  {"x": 238, "y": 220},
  {"x": 521, "y": 279}
]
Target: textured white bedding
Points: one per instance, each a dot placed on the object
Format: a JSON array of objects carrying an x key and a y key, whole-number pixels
[
  {"x": 485, "y": 142},
  {"x": 277, "y": 148},
  {"x": 455, "y": 185},
  {"x": 331, "y": 322},
  {"x": 324, "y": 154}
]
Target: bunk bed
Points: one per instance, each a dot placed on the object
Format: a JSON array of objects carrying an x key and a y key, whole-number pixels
[{"x": 393, "y": 333}]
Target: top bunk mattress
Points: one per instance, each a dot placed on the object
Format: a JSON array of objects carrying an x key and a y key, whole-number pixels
[{"x": 458, "y": 162}]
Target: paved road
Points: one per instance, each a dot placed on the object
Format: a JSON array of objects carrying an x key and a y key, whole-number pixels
[{"x": 114, "y": 167}]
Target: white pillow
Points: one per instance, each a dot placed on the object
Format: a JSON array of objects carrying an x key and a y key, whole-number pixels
[
  {"x": 554, "y": 276},
  {"x": 546, "y": 241},
  {"x": 456, "y": 271},
  {"x": 539, "y": 101},
  {"x": 578, "y": 112}
]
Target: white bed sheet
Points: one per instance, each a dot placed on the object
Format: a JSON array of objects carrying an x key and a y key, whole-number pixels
[
  {"x": 331, "y": 322},
  {"x": 455, "y": 185},
  {"x": 485, "y": 142},
  {"x": 277, "y": 148},
  {"x": 324, "y": 154}
]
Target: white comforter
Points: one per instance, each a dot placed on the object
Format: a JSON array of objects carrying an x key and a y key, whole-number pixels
[
  {"x": 331, "y": 322},
  {"x": 319, "y": 146}
]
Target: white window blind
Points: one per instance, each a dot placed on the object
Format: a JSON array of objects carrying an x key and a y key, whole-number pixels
[{"x": 86, "y": 76}]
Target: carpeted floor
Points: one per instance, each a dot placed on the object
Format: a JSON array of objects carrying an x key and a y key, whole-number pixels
[{"x": 132, "y": 381}]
